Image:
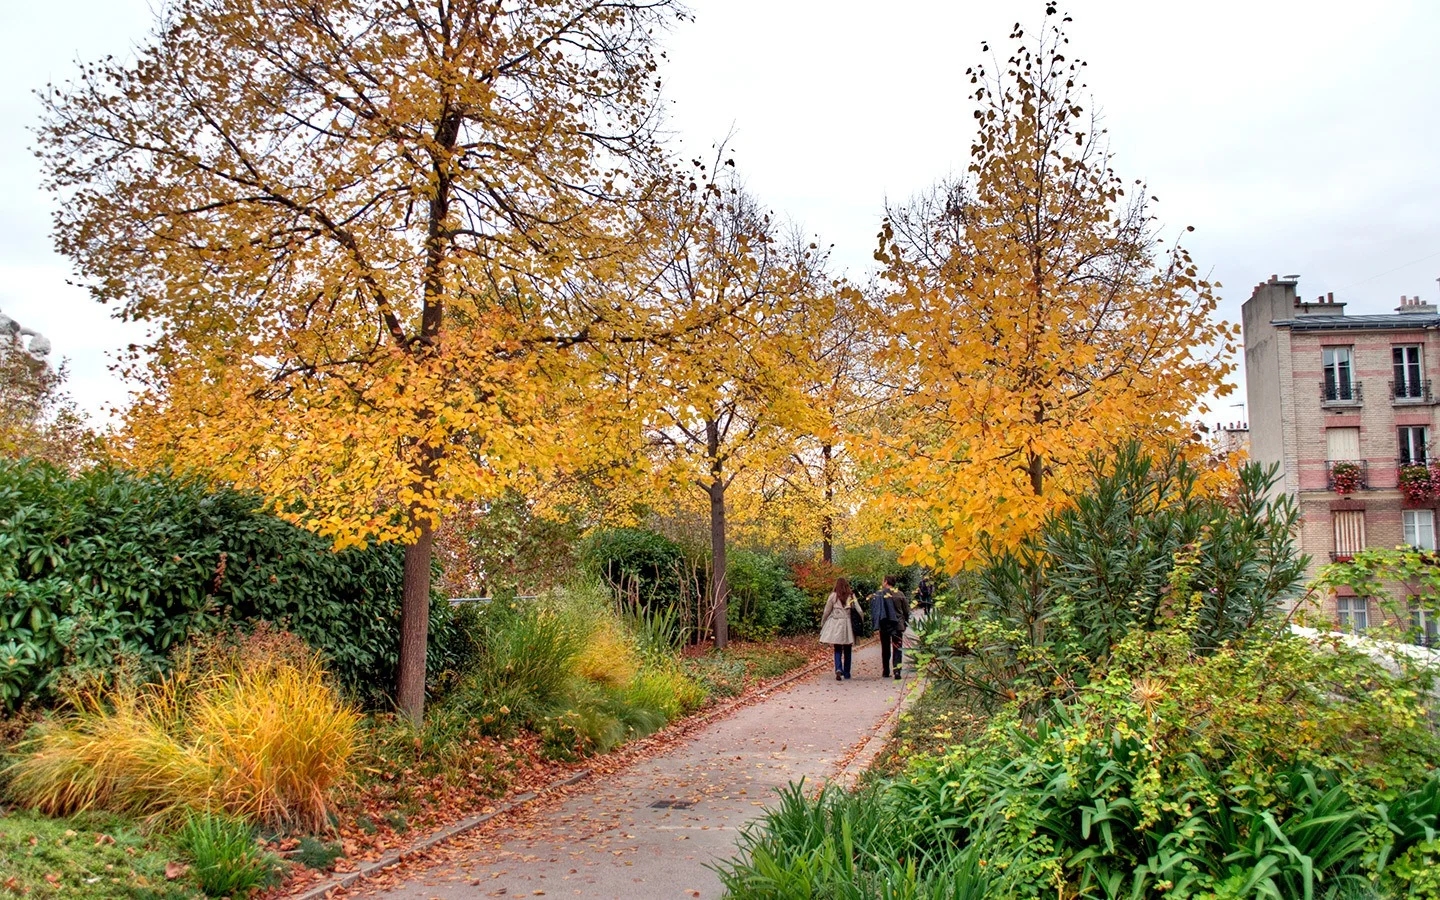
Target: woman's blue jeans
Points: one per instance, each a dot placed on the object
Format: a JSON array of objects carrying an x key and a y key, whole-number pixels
[{"x": 842, "y": 659}]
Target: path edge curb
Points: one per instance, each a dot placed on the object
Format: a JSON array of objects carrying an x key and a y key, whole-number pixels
[
  {"x": 450, "y": 832},
  {"x": 434, "y": 839}
]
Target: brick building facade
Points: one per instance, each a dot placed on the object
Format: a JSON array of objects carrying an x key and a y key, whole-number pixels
[{"x": 1344, "y": 404}]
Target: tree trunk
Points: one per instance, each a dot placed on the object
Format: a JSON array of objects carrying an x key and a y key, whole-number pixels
[
  {"x": 415, "y": 625},
  {"x": 827, "y": 522},
  {"x": 1037, "y": 474},
  {"x": 719, "y": 586}
]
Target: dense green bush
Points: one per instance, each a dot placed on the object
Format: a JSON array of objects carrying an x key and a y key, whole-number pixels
[
  {"x": 113, "y": 565},
  {"x": 569, "y": 668},
  {"x": 763, "y": 601},
  {"x": 643, "y": 567},
  {"x": 1034, "y": 620}
]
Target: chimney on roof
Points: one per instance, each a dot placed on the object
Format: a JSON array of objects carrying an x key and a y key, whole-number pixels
[{"x": 1415, "y": 305}]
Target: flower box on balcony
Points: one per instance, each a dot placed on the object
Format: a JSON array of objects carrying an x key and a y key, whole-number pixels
[
  {"x": 1418, "y": 482},
  {"x": 1346, "y": 477}
]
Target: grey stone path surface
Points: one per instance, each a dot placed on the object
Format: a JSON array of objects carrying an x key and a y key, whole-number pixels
[{"x": 608, "y": 840}]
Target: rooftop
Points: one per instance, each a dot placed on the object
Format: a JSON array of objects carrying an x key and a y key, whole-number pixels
[{"x": 1343, "y": 322}]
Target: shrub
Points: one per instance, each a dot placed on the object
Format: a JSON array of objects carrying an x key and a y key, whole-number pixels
[
  {"x": 1277, "y": 769},
  {"x": 225, "y": 860},
  {"x": 1149, "y": 543},
  {"x": 113, "y": 565},
  {"x": 763, "y": 602},
  {"x": 643, "y": 567},
  {"x": 258, "y": 736},
  {"x": 568, "y": 668}
]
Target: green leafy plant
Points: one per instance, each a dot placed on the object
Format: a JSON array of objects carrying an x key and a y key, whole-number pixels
[
  {"x": 111, "y": 565},
  {"x": 225, "y": 859}
]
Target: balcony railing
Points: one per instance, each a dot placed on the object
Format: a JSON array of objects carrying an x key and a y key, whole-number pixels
[
  {"x": 1346, "y": 475},
  {"x": 1411, "y": 391},
  {"x": 1340, "y": 392}
]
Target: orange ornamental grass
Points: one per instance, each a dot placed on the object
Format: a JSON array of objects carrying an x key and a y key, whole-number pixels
[{"x": 266, "y": 740}]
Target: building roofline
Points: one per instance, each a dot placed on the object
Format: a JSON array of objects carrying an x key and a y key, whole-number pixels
[{"x": 1391, "y": 322}]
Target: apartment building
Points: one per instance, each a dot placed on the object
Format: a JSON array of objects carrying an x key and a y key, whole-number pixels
[{"x": 1346, "y": 406}]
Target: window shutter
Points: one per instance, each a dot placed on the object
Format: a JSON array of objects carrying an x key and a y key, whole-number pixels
[
  {"x": 1349, "y": 531},
  {"x": 1342, "y": 443}
]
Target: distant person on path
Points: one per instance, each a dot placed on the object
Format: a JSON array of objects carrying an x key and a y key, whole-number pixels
[
  {"x": 835, "y": 626},
  {"x": 889, "y": 612},
  {"x": 925, "y": 593}
]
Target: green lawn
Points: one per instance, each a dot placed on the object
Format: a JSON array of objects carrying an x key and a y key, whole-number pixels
[{"x": 88, "y": 856}]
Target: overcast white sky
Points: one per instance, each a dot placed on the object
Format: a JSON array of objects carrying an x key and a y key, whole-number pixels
[{"x": 1297, "y": 137}]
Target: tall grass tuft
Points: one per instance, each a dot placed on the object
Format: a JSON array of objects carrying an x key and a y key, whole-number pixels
[
  {"x": 262, "y": 736},
  {"x": 226, "y": 861}
]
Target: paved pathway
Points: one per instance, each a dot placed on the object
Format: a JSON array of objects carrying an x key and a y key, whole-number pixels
[{"x": 610, "y": 841}]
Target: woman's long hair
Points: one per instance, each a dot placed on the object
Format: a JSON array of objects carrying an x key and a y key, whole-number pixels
[{"x": 843, "y": 593}]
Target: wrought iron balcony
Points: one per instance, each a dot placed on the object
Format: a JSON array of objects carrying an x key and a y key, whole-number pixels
[
  {"x": 1411, "y": 391},
  {"x": 1344, "y": 476},
  {"x": 1340, "y": 392}
]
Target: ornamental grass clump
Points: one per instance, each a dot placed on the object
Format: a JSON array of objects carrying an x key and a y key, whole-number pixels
[{"x": 260, "y": 735}]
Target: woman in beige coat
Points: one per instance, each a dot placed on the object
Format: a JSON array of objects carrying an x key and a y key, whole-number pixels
[{"x": 835, "y": 626}]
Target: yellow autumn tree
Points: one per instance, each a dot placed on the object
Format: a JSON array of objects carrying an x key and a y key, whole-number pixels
[
  {"x": 1037, "y": 318},
  {"x": 364, "y": 233},
  {"x": 718, "y": 403},
  {"x": 849, "y": 395}
]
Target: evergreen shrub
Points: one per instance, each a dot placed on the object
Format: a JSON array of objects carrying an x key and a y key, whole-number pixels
[{"x": 114, "y": 565}]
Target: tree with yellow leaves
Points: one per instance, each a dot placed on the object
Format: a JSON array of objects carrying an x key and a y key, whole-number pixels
[
  {"x": 364, "y": 233},
  {"x": 719, "y": 402},
  {"x": 1036, "y": 319}
]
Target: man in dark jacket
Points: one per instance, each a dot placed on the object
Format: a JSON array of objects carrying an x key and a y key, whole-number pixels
[{"x": 889, "y": 611}]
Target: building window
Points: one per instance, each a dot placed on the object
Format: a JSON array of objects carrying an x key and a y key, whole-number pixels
[
  {"x": 1414, "y": 445},
  {"x": 1349, "y": 532},
  {"x": 1339, "y": 379},
  {"x": 1353, "y": 612},
  {"x": 1419, "y": 528},
  {"x": 1409, "y": 383},
  {"x": 1342, "y": 444},
  {"x": 1423, "y": 630}
]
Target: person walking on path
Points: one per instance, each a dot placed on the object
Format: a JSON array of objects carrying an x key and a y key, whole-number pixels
[
  {"x": 889, "y": 612},
  {"x": 835, "y": 626}
]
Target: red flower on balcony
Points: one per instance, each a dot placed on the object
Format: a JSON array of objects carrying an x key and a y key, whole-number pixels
[
  {"x": 1346, "y": 477},
  {"x": 1419, "y": 483}
]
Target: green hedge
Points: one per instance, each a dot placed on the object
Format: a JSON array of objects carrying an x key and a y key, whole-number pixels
[
  {"x": 639, "y": 564},
  {"x": 764, "y": 602},
  {"x": 112, "y": 565}
]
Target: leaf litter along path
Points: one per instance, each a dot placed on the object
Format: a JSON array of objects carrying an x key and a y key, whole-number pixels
[{"x": 608, "y": 839}]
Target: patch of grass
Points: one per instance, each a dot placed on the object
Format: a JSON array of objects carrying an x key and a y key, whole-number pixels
[
  {"x": 317, "y": 854},
  {"x": 93, "y": 856},
  {"x": 941, "y": 718},
  {"x": 726, "y": 673},
  {"x": 225, "y": 860}
]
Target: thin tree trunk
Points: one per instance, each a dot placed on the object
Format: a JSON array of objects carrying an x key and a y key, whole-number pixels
[
  {"x": 415, "y": 625},
  {"x": 827, "y": 522},
  {"x": 719, "y": 586},
  {"x": 415, "y": 595},
  {"x": 719, "y": 583}
]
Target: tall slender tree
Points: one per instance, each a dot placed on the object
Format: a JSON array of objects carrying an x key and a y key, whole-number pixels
[
  {"x": 1036, "y": 317},
  {"x": 718, "y": 399},
  {"x": 360, "y": 230}
]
